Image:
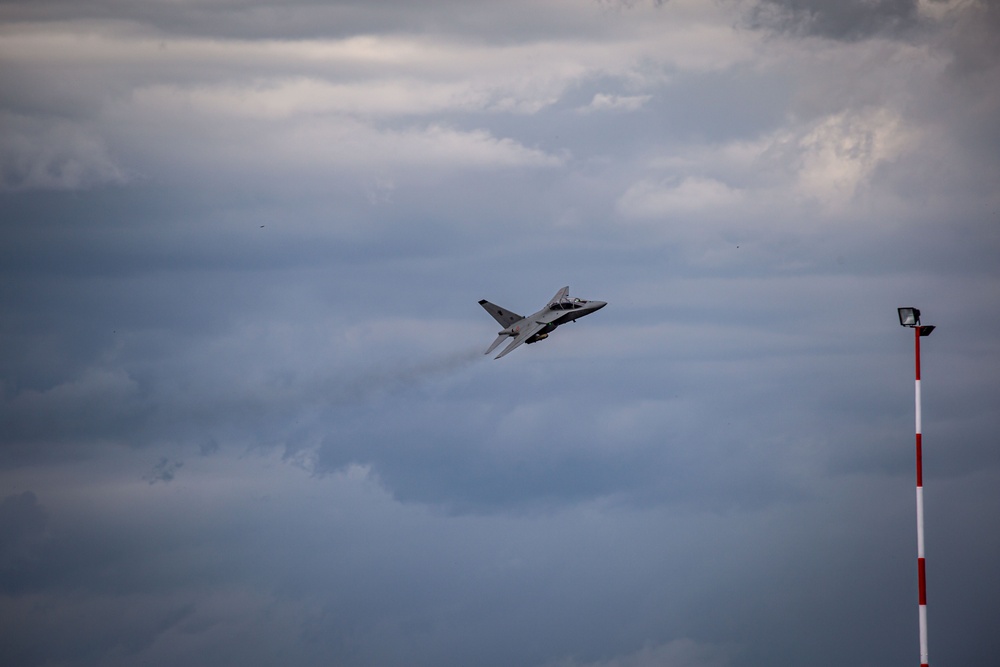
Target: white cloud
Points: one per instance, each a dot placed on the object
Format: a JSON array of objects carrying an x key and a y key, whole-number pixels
[
  {"x": 388, "y": 73},
  {"x": 606, "y": 102},
  {"x": 176, "y": 102},
  {"x": 837, "y": 155},
  {"x": 354, "y": 144},
  {"x": 285, "y": 98},
  {"x": 825, "y": 165},
  {"x": 303, "y": 145},
  {"x": 664, "y": 199}
]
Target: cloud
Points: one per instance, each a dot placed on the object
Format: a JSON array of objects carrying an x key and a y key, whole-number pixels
[
  {"x": 59, "y": 155},
  {"x": 326, "y": 142},
  {"x": 163, "y": 471},
  {"x": 677, "y": 653},
  {"x": 184, "y": 106},
  {"x": 823, "y": 169},
  {"x": 840, "y": 154},
  {"x": 664, "y": 200},
  {"x": 845, "y": 20},
  {"x": 603, "y": 102},
  {"x": 263, "y": 261},
  {"x": 23, "y": 524},
  {"x": 285, "y": 98},
  {"x": 80, "y": 408}
]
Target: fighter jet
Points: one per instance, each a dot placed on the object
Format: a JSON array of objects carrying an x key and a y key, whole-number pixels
[{"x": 560, "y": 310}]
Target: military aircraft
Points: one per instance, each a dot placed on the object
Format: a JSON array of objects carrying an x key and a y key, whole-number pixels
[{"x": 560, "y": 310}]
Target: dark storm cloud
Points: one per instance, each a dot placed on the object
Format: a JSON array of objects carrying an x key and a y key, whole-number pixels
[
  {"x": 163, "y": 470},
  {"x": 974, "y": 37},
  {"x": 22, "y": 532},
  {"x": 847, "y": 19},
  {"x": 106, "y": 405},
  {"x": 89, "y": 633},
  {"x": 487, "y": 453},
  {"x": 971, "y": 36}
]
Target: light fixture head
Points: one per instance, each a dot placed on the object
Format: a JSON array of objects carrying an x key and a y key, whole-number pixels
[{"x": 909, "y": 317}]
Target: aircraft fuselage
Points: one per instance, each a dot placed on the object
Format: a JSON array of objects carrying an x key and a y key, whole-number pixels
[{"x": 533, "y": 328}]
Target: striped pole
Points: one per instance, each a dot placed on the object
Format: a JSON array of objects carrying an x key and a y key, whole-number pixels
[{"x": 921, "y": 572}]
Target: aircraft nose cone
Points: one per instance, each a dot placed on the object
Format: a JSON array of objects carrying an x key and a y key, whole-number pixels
[{"x": 597, "y": 305}]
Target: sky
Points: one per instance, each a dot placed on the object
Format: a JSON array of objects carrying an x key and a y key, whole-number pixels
[{"x": 245, "y": 414}]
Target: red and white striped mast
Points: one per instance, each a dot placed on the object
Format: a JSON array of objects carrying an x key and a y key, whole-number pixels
[{"x": 910, "y": 317}]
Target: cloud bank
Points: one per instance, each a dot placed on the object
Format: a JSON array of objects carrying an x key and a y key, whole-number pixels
[{"x": 246, "y": 414}]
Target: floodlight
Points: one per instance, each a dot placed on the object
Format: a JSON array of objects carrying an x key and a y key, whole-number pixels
[{"x": 909, "y": 317}]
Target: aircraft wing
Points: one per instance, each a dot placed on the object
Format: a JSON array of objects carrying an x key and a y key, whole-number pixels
[
  {"x": 560, "y": 295},
  {"x": 524, "y": 334}
]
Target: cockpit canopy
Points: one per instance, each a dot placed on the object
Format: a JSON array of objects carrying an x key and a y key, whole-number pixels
[{"x": 568, "y": 304}]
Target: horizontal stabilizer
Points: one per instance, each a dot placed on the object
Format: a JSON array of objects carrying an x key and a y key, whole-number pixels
[
  {"x": 501, "y": 338},
  {"x": 510, "y": 348}
]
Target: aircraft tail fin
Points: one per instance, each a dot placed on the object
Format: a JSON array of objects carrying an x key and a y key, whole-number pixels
[{"x": 504, "y": 317}]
